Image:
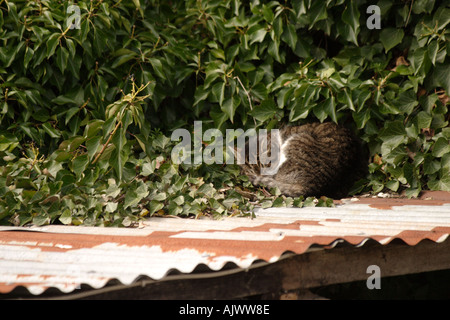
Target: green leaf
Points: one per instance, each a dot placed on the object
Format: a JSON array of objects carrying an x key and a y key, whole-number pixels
[
  {"x": 157, "y": 67},
  {"x": 66, "y": 217},
  {"x": 92, "y": 128},
  {"x": 80, "y": 164},
  {"x": 431, "y": 166},
  {"x": 423, "y": 120},
  {"x": 267, "y": 13},
  {"x": 117, "y": 157},
  {"x": 349, "y": 100},
  {"x": 131, "y": 199},
  {"x": 85, "y": 27},
  {"x": 174, "y": 209},
  {"x": 441, "y": 76},
  {"x": 52, "y": 43},
  {"x": 41, "y": 219},
  {"x": 298, "y": 111},
  {"x": 266, "y": 110},
  {"x": 258, "y": 35},
  {"x": 274, "y": 51},
  {"x": 441, "y": 18},
  {"x": 134, "y": 196},
  {"x": 390, "y": 37},
  {"x": 443, "y": 182},
  {"x": 441, "y": 147},
  {"x": 419, "y": 59},
  {"x": 433, "y": 48},
  {"x": 319, "y": 112},
  {"x": 71, "y": 47},
  {"x": 11, "y": 55},
  {"x": 92, "y": 145},
  {"x": 406, "y": 101},
  {"x": 218, "y": 91},
  {"x": 317, "y": 12},
  {"x": 330, "y": 108},
  {"x": 62, "y": 55},
  {"x": 155, "y": 206},
  {"x": 351, "y": 17},
  {"x": 290, "y": 36},
  {"x": 29, "y": 53},
  {"x": 148, "y": 168},
  {"x": 111, "y": 206},
  {"x": 123, "y": 59},
  {"x": 362, "y": 117},
  {"x": 75, "y": 96},
  {"x": 200, "y": 94},
  {"x": 393, "y": 135},
  {"x": 219, "y": 117},
  {"x": 52, "y": 132},
  {"x": 393, "y": 185},
  {"x": 230, "y": 105},
  {"x": 179, "y": 200}
]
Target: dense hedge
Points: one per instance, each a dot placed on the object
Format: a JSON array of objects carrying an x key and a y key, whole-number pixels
[{"x": 88, "y": 103}]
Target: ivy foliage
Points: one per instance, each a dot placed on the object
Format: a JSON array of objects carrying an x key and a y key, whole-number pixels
[{"x": 88, "y": 101}]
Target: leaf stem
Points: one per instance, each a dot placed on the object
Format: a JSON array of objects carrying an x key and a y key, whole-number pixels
[{"x": 107, "y": 142}]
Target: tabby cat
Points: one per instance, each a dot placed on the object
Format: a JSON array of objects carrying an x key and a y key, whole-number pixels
[{"x": 316, "y": 159}]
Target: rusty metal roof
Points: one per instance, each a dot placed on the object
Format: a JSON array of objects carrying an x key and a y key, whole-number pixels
[{"x": 64, "y": 257}]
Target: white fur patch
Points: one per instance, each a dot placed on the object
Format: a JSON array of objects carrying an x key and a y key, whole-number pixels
[{"x": 281, "y": 158}]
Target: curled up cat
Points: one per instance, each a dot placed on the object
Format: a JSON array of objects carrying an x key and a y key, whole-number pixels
[{"x": 315, "y": 159}]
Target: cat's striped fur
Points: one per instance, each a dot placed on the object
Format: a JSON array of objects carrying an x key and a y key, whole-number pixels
[{"x": 316, "y": 159}]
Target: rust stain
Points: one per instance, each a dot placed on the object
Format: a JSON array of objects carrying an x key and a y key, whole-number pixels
[
  {"x": 387, "y": 204},
  {"x": 426, "y": 198},
  {"x": 443, "y": 196},
  {"x": 295, "y": 225}
]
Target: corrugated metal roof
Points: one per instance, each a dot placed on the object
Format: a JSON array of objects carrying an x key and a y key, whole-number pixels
[{"x": 64, "y": 257}]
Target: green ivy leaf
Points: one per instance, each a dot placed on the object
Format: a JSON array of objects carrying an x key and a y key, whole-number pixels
[
  {"x": 433, "y": 48},
  {"x": 330, "y": 108},
  {"x": 390, "y": 37},
  {"x": 155, "y": 206},
  {"x": 80, "y": 163},
  {"x": 393, "y": 135},
  {"x": 52, "y": 132},
  {"x": 29, "y": 53},
  {"x": 290, "y": 36},
  {"x": 441, "y": 147},
  {"x": 52, "y": 43},
  {"x": 230, "y": 105},
  {"x": 351, "y": 17},
  {"x": 443, "y": 182},
  {"x": 406, "y": 101},
  {"x": 298, "y": 111},
  {"x": 133, "y": 197},
  {"x": 266, "y": 110},
  {"x": 441, "y": 77},
  {"x": 317, "y": 12},
  {"x": 257, "y": 34},
  {"x": 62, "y": 55},
  {"x": 157, "y": 67},
  {"x": 123, "y": 59}
]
